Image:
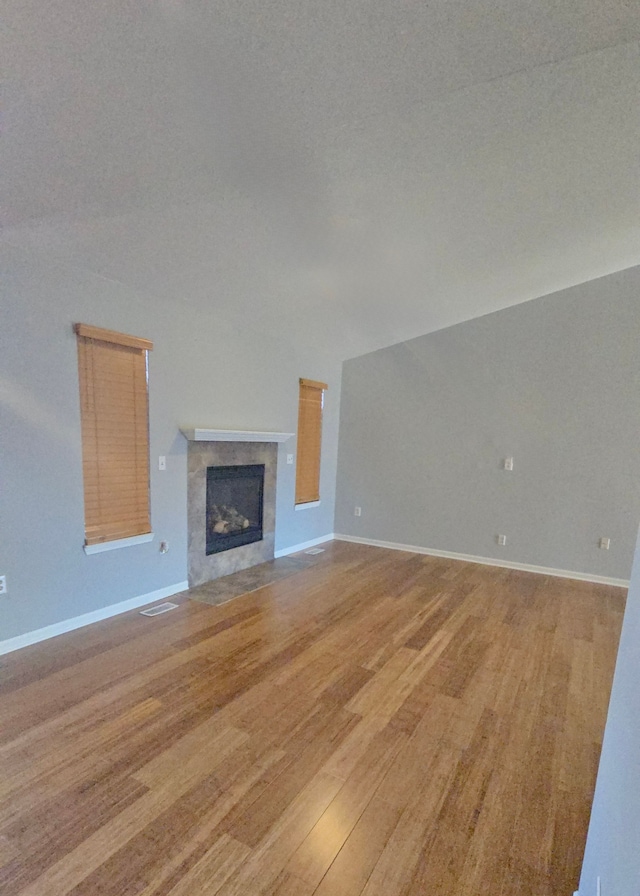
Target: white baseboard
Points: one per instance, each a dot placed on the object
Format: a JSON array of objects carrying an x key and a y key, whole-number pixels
[
  {"x": 304, "y": 545},
  {"x": 69, "y": 625},
  {"x": 486, "y": 561}
]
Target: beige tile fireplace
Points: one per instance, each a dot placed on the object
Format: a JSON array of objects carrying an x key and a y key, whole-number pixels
[{"x": 212, "y": 448}]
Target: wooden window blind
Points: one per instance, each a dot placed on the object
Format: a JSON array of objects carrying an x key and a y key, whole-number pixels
[
  {"x": 309, "y": 441},
  {"x": 114, "y": 410}
]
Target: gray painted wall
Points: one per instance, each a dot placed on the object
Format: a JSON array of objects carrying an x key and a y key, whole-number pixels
[
  {"x": 613, "y": 843},
  {"x": 555, "y": 383},
  {"x": 206, "y": 369}
]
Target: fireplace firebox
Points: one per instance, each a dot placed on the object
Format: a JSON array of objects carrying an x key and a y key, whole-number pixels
[{"x": 234, "y": 506}]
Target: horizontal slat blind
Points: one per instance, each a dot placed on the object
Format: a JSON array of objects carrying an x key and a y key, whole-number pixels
[
  {"x": 112, "y": 336},
  {"x": 309, "y": 441},
  {"x": 115, "y": 433}
]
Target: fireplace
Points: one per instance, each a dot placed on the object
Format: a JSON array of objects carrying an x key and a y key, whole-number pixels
[
  {"x": 202, "y": 454},
  {"x": 234, "y": 506}
]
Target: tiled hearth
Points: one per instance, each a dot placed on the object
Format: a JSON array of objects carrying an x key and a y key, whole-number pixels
[
  {"x": 203, "y": 454},
  {"x": 222, "y": 590}
]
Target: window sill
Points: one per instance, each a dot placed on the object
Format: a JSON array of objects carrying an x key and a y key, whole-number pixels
[
  {"x": 307, "y": 506},
  {"x": 119, "y": 543}
]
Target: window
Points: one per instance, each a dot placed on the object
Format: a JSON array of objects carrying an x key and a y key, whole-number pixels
[
  {"x": 114, "y": 411},
  {"x": 310, "y": 406}
]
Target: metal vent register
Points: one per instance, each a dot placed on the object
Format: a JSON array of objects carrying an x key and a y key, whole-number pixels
[{"x": 157, "y": 611}]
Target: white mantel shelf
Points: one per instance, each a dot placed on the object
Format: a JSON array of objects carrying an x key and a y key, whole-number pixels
[{"x": 193, "y": 434}]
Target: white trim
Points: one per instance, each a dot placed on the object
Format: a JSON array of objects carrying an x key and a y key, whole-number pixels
[
  {"x": 307, "y": 505},
  {"x": 69, "y": 625},
  {"x": 195, "y": 434},
  {"x": 118, "y": 543},
  {"x": 304, "y": 545},
  {"x": 487, "y": 561}
]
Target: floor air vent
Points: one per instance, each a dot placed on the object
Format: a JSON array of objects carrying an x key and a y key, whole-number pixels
[
  {"x": 161, "y": 608},
  {"x": 315, "y": 551}
]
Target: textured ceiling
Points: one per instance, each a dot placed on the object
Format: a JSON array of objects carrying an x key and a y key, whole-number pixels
[{"x": 381, "y": 168}]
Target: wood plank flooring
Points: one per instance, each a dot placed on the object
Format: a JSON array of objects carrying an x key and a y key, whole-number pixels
[{"x": 379, "y": 724}]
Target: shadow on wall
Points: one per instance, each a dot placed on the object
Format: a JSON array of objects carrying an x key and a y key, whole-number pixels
[{"x": 612, "y": 854}]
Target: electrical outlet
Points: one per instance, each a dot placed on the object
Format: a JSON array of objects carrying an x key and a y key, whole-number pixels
[
  {"x": 502, "y": 539},
  {"x": 162, "y": 462},
  {"x": 605, "y": 543},
  {"x": 3, "y": 584},
  {"x": 289, "y": 458},
  {"x": 357, "y": 511},
  {"x": 164, "y": 547},
  {"x": 507, "y": 464}
]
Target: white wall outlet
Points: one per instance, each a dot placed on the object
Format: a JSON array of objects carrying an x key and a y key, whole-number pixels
[
  {"x": 289, "y": 458},
  {"x": 162, "y": 462},
  {"x": 357, "y": 511},
  {"x": 605, "y": 543},
  {"x": 164, "y": 547},
  {"x": 3, "y": 584},
  {"x": 507, "y": 463},
  {"x": 502, "y": 539}
]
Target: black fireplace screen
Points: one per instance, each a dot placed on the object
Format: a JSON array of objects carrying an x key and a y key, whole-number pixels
[{"x": 234, "y": 506}]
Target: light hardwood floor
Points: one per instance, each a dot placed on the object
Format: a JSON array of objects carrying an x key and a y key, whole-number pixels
[{"x": 381, "y": 723}]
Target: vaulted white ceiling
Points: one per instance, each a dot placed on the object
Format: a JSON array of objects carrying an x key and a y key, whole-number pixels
[{"x": 361, "y": 171}]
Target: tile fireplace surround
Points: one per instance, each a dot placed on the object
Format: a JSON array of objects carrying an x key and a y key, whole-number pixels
[{"x": 203, "y": 454}]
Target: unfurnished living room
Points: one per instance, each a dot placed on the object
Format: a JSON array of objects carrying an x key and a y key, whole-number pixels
[{"x": 319, "y": 467}]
